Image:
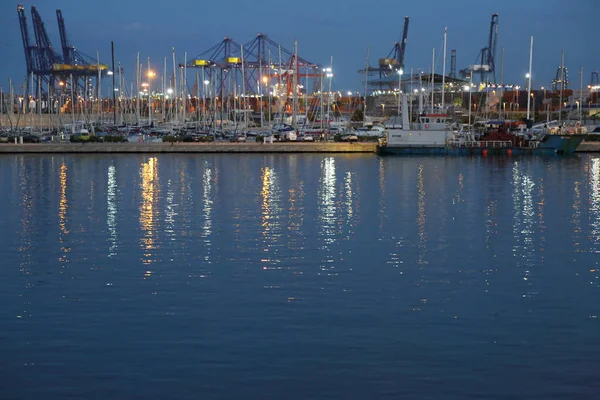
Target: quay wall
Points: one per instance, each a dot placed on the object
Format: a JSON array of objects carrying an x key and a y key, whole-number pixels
[
  {"x": 585, "y": 147},
  {"x": 189, "y": 148}
]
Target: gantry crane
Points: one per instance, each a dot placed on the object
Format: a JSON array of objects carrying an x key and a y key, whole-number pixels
[{"x": 485, "y": 63}]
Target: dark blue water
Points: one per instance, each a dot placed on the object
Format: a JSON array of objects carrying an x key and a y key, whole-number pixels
[{"x": 299, "y": 277}]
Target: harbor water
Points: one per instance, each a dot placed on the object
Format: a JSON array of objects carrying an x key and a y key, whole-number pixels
[{"x": 299, "y": 276}]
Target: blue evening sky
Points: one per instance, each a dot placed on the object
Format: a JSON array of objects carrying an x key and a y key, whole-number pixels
[{"x": 341, "y": 29}]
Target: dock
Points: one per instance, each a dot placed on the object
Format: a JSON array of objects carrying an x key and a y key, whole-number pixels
[
  {"x": 52, "y": 148},
  {"x": 219, "y": 147}
]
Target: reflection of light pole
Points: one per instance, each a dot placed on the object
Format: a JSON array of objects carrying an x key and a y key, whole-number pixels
[{"x": 383, "y": 109}]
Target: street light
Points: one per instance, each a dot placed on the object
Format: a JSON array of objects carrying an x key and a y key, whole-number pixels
[
  {"x": 400, "y": 72},
  {"x": 150, "y": 75}
]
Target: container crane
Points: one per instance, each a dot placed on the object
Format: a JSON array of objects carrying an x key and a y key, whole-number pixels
[
  {"x": 46, "y": 57},
  {"x": 391, "y": 64},
  {"x": 594, "y": 81},
  {"x": 486, "y": 60},
  {"x": 29, "y": 49},
  {"x": 44, "y": 64},
  {"x": 395, "y": 59},
  {"x": 66, "y": 49}
]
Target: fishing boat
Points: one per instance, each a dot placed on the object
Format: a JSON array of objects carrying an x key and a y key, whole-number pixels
[{"x": 432, "y": 135}]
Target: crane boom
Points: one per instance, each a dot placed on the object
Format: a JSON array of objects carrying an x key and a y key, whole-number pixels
[
  {"x": 25, "y": 38},
  {"x": 46, "y": 56},
  {"x": 63, "y": 38},
  {"x": 403, "y": 44},
  {"x": 492, "y": 42}
]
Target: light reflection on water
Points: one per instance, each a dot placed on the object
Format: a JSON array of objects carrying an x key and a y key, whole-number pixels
[
  {"x": 421, "y": 216},
  {"x": 207, "y": 209},
  {"x": 62, "y": 216},
  {"x": 271, "y": 218},
  {"x": 111, "y": 210},
  {"x": 327, "y": 211},
  {"x": 148, "y": 207},
  {"x": 594, "y": 177},
  {"x": 170, "y": 211},
  {"x": 402, "y": 264}
]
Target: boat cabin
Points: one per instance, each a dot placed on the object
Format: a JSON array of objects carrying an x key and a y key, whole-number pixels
[{"x": 432, "y": 122}]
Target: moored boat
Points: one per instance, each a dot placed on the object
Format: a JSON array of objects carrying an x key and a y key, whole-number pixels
[{"x": 432, "y": 135}]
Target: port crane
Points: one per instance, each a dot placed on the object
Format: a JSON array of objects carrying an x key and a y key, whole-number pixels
[
  {"x": 390, "y": 65},
  {"x": 594, "y": 81},
  {"x": 393, "y": 63},
  {"x": 562, "y": 74},
  {"x": 45, "y": 65},
  {"x": 485, "y": 63},
  {"x": 263, "y": 59}
]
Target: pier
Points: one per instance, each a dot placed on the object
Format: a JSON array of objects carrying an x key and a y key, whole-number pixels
[{"x": 188, "y": 148}]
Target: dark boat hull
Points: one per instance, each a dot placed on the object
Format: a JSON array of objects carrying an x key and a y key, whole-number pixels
[{"x": 551, "y": 144}]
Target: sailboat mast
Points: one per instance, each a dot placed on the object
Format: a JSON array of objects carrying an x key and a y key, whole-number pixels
[
  {"x": 444, "y": 73},
  {"x": 120, "y": 89},
  {"x": 72, "y": 107},
  {"x": 366, "y": 83},
  {"x": 175, "y": 85},
  {"x": 562, "y": 87},
  {"x": 114, "y": 92},
  {"x": 279, "y": 109},
  {"x": 432, "y": 77},
  {"x": 294, "y": 83},
  {"x": 529, "y": 79},
  {"x": 184, "y": 85},
  {"x": 580, "y": 94},
  {"x": 330, "y": 75},
  {"x": 197, "y": 98},
  {"x": 260, "y": 98},
  {"x": 500, "y": 106},
  {"x": 149, "y": 93},
  {"x": 99, "y": 88},
  {"x": 39, "y": 104},
  {"x": 164, "y": 90},
  {"x": 244, "y": 87},
  {"x": 268, "y": 88},
  {"x": 203, "y": 100},
  {"x": 137, "y": 88}
]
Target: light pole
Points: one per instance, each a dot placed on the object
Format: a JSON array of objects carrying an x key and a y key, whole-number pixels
[
  {"x": 528, "y": 81},
  {"x": 260, "y": 96},
  {"x": 400, "y": 72},
  {"x": 204, "y": 110},
  {"x": 150, "y": 76},
  {"x": 329, "y": 72},
  {"x": 470, "y": 89},
  {"x": 529, "y": 77}
]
